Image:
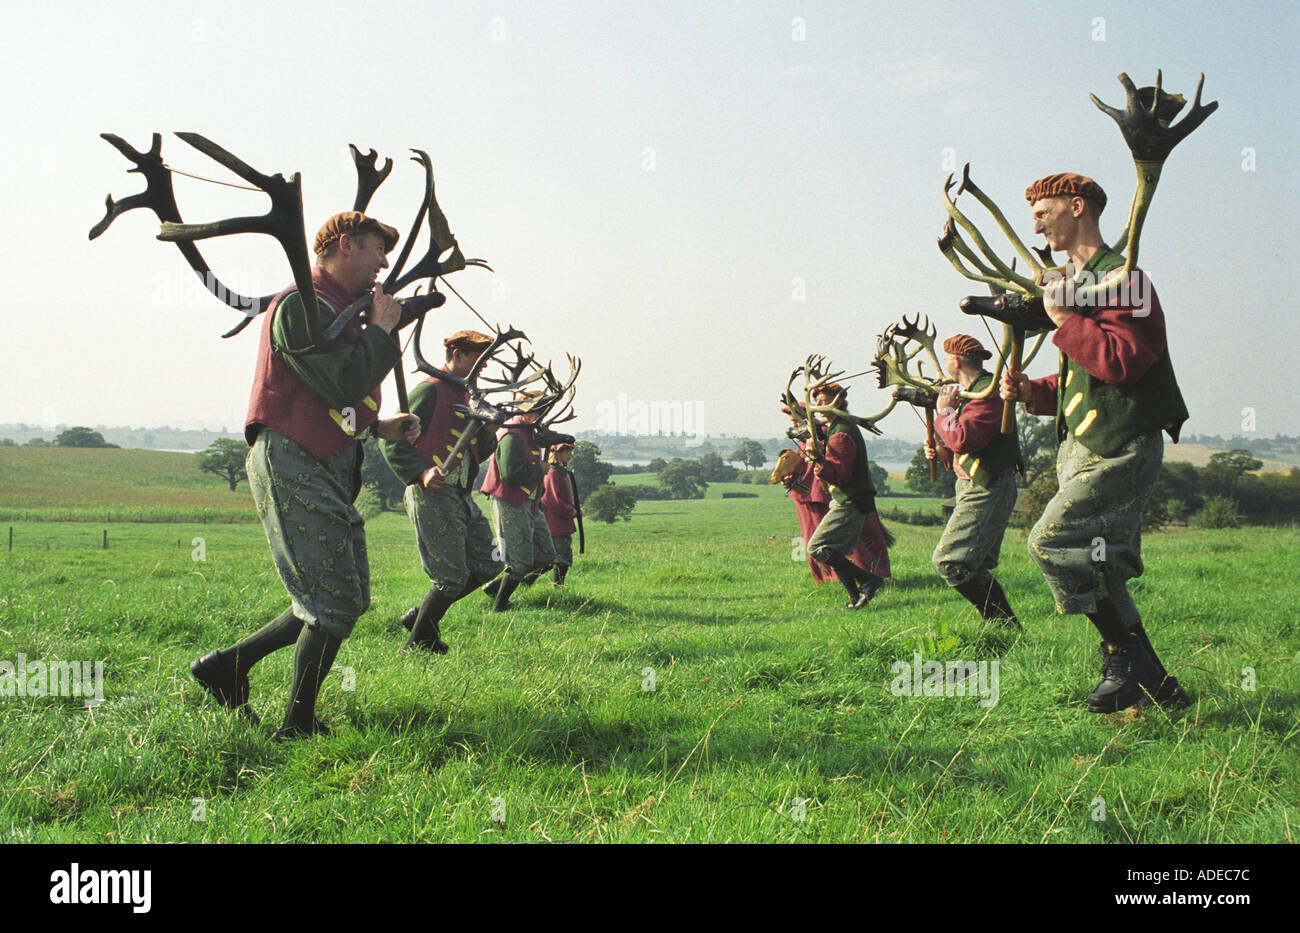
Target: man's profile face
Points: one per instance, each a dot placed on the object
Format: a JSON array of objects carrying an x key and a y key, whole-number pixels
[
  {"x": 1057, "y": 219},
  {"x": 362, "y": 257},
  {"x": 951, "y": 364},
  {"x": 461, "y": 362}
]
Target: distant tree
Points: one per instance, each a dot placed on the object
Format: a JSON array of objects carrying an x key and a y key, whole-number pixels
[
  {"x": 37, "y": 442},
  {"x": 379, "y": 478},
  {"x": 81, "y": 437},
  {"x": 750, "y": 454},
  {"x": 224, "y": 458},
  {"x": 879, "y": 477},
  {"x": 589, "y": 472},
  {"x": 657, "y": 464},
  {"x": 1034, "y": 498},
  {"x": 8, "y": 442},
  {"x": 1037, "y": 444},
  {"x": 684, "y": 479},
  {"x": 609, "y": 502},
  {"x": 715, "y": 471},
  {"x": 918, "y": 477}
]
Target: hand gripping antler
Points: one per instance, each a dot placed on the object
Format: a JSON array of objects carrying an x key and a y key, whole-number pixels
[
  {"x": 443, "y": 255},
  {"x": 159, "y": 197},
  {"x": 369, "y": 179},
  {"x": 476, "y": 408}
]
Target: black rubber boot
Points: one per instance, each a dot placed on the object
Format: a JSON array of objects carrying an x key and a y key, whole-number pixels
[
  {"x": 491, "y": 587},
  {"x": 560, "y": 571},
  {"x": 534, "y": 575},
  {"x": 986, "y": 595},
  {"x": 848, "y": 575},
  {"x": 502, "y": 601},
  {"x": 224, "y": 674},
  {"x": 312, "y": 658},
  {"x": 870, "y": 584},
  {"x": 217, "y": 676},
  {"x": 424, "y": 632},
  {"x": 409, "y": 617}
]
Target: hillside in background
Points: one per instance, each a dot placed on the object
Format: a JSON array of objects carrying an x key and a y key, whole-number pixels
[{"x": 106, "y": 484}]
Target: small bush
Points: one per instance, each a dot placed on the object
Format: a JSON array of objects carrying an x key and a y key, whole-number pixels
[
  {"x": 914, "y": 517},
  {"x": 740, "y": 495},
  {"x": 1218, "y": 512},
  {"x": 368, "y": 504}
]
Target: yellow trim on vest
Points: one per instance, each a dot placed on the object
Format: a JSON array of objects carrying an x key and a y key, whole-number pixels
[
  {"x": 454, "y": 433},
  {"x": 1074, "y": 403},
  {"x": 342, "y": 423},
  {"x": 1069, "y": 377},
  {"x": 459, "y": 415},
  {"x": 1087, "y": 420},
  {"x": 370, "y": 403},
  {"x": 974, "y": 467}
]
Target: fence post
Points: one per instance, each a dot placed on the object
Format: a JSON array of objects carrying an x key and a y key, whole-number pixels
[{"x": 105, "y": 547}]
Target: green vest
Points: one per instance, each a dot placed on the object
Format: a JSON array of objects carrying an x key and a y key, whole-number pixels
[
  {"x": 986, "y": 465},
  {"x": 1105, "y": 417},
  {"x": 859, "y": 491}
]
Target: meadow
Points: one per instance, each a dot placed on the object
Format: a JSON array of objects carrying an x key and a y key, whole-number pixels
[
  {"x": 113, "y": 485},
  {"x": 689, "y": 684}
]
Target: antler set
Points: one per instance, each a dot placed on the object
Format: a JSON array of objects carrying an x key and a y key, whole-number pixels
[
  {"x": 284, "y": 222},
  {"x": 1147, "y": 127},
  {"x": 554, "y": 401},
  {"x": 817, "y": 374}
]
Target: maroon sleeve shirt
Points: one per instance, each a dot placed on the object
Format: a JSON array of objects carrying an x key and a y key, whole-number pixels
[
  {"x": 1116, "y": 343},
  {"x": 972, "y": 429},
  {"x": 837, "y": 467}
]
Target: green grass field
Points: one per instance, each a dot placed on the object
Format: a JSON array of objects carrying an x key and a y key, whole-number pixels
[
  {"x": 111, "y": 485},
  {"x": 770, "y": 719}
]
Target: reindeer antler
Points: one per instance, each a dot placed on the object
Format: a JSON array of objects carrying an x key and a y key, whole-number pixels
[
  {"x": 1147, "y": 127},
  {"x": 1145, "y": 124},
  {"x": 159, "y": 197},
  {"x": 283, "y": 222}
]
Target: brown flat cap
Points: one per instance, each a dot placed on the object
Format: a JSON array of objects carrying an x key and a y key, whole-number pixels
[
  {"x": 831, "y": 388},
  {"x": 467, "y": 340},
  {"x": 965, "y": 345},
  {"x": 1068, "y": 185},
  {"x": 560, "y": 448},
  {"x": 354, "y": 223}
]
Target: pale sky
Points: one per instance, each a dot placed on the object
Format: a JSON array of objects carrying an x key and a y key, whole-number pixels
[{"x": 649, "y": 181}]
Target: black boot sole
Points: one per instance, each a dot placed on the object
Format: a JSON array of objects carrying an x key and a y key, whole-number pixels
[
  {"x": 867, "y": 591},
  {"x": 289, "y": 733},
  {"x": 1169, "y": 695}
]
